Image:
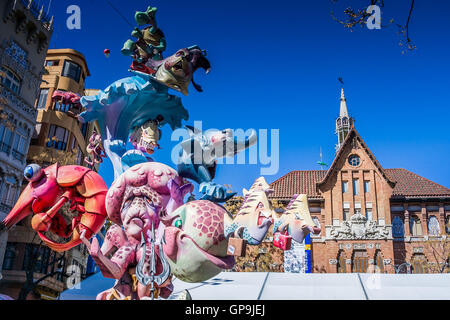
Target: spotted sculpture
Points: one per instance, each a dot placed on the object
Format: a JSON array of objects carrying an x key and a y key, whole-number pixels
[
  {"x": 48, "y": 190},
  {"x": 194, "y": 241}
]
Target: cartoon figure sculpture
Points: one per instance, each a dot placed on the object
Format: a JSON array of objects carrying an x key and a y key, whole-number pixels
[
  {"x": 134, "y": 202},
  {"x": 150, "y": 42},
  {"x": 194, "y": 241},
  {"x": 145, "y": 138},
  {"x": 129, "y": 103},
  {"x": 95, "y": 150},
  {"x": 255, "y": 215},
  {"x": 296, "y": 219},
  {"x": 198, "y": 155},
  {"x": 177, "y": 71},
  {"x": 155, "y": 235},
  {"x": 48, "y": 190}
]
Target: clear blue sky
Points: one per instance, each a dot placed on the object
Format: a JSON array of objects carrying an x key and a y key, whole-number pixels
[{"x": 275, "y": 66}]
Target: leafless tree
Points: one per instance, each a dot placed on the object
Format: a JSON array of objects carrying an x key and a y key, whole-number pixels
[{"x": 355, "y": 17}]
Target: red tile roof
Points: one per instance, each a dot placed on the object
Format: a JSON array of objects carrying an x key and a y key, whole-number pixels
[
  {"x": 409, "y": 185},
  {"x": 297, "y": 182}
]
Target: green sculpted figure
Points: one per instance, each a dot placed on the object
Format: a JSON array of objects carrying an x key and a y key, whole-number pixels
[{"x": 150, "y": 42}]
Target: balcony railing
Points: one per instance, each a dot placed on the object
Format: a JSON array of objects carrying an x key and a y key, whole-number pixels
[
  {"x": 15, "y": 102},
  {"x": 6, "y": 148},
  {"x": 38, "y": 13},
  {"x": 18, "y": 155}
]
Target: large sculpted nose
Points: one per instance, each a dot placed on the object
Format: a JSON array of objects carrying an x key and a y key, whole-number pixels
[{"x": 169, "y": 242}]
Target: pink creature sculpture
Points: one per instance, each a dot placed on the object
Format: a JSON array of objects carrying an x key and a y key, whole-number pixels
[
  {"x": 95, "y": 149},
  {"x": 48, "y": 190},
  {"x": 67, "y": 97},
  {"x": 135, "y": 202}
]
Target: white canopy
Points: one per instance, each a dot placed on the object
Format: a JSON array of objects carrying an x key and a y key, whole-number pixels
[{"x": 292, "y": 286}]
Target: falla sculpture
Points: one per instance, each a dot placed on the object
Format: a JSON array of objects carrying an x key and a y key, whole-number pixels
[{"x": 155, "y": 234}]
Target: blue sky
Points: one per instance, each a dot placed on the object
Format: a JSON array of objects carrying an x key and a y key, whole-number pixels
[{"x": 275, "y": 65}]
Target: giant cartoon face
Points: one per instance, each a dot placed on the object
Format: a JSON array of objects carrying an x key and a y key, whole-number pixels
[
  {"x": 195, "y": 243},
  {"x": 145, "y": 138},
  {"x": 136, "y": 197},
  {"x": 177, "y": 70},
  {"x": 296, "y": 219}
]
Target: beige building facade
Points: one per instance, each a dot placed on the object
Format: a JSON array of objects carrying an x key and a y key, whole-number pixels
[
  {"x": 25, "y": 33},
  {"x": 57, "y": 137}
]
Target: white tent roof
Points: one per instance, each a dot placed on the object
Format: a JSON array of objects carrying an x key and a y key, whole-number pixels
[{"x": 292, "y": 286}]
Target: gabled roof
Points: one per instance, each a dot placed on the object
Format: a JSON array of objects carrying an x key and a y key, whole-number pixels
[{"x": 354, "y": 134}]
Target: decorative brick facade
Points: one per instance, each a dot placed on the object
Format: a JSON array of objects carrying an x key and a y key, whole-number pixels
[{"x": 370, "y": 216}]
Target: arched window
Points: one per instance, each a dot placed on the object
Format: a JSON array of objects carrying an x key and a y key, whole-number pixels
[
  {"x": 419, "y": 264},
  {"x": 10, "y": 80},
  {"x": 398, "y": 230},
  {"x": 415, "y": 226},
  {"x": 345, "y": 121},
  {"x": 379, "y": 262},
  {"x": 341, "y": 266},
  {"x": 317, "y": 224},
  {"x": 433, "y": 226}
]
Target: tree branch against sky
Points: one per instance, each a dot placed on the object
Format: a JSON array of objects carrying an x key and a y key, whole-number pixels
[{"x": 360, "y": 16}]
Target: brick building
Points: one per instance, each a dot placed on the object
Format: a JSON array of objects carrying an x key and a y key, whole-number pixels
[{"x": 371, "y": 217}]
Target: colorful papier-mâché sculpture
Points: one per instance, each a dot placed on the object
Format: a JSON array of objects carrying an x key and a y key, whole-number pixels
[
  {"x": 95, "y": 150},
  {"x": 194, "y": 241},
  {"x": 145, "y": 138},
  {"x": 198, "y": 155},
  {"x": 129, "y": 103},
  {"x": 67, "y": 98},
  {"x": 255, "y": 215},
  {"x": 296, "y": 219},
  {"x": 177, "y": 71},
  {"x": 48, "y": 190},
  {"x": 134, "y": 203},
  {"x": 150, "y": 42}
]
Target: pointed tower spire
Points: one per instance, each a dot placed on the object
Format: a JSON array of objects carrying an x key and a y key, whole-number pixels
[
  {"x": 343, "y": 110},
  {"x": 344, "y": 122}
]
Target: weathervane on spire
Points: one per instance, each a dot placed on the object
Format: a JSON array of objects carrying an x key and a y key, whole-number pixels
[
  {"x": 322, "y": 164},
  {"x": 341, "y": 80}
]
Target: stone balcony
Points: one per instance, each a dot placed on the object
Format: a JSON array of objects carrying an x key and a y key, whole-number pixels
[{"x": 18, "y": 105}]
